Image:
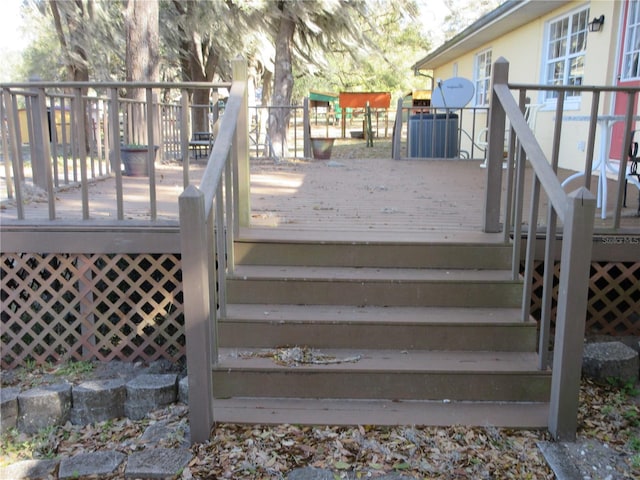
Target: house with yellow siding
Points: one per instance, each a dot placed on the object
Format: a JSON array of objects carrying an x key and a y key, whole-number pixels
[{"x": 551, "y": 42}]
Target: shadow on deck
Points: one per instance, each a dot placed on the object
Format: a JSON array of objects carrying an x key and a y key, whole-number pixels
[{"x": 359, "y": 189}]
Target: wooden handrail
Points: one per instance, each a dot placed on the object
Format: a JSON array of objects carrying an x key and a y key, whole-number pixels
[
  {"x": 536, "y": 156},
  {"x": 208, "y": 216},
  {"x": 108, "y": 85},
  {"x": 575, "y": 210},
  {"x": 222, "y": 146}
]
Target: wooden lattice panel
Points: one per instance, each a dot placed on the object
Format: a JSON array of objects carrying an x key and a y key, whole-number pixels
[
  {"x": 613, "y": 307},
  {"x": 129, "y": 307},
  {"x": 102, "y": 307}
]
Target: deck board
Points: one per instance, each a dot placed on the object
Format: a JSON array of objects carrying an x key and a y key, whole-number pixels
[
  {"x": 404, "y": 199},
  {"x": 380, "y": 412}
]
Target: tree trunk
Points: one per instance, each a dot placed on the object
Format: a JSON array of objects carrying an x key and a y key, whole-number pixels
[
  {"x": 142, "y": 59},
  {"x": 267, "y": 87},
  {"x": 203, "y": 61},
  {"x": 198, "y": 61},
  {"x": 72, "y": 44},
  {"x": 283, "y": 85}
]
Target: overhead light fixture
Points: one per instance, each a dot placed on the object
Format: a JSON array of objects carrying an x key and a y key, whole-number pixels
[{"x": 595, "y": 25}]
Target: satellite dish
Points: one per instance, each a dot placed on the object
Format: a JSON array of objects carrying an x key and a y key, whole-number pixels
[{"x": 454, "y": 92}]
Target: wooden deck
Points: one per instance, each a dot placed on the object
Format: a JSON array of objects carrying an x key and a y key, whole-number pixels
[{"x": 347, "y": 193}]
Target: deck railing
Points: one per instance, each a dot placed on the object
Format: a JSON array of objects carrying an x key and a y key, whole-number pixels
[
  {"x": 56, "y": 135},
  {"x": 210, "y": 217},
  {"x": 576, "y": 213}
]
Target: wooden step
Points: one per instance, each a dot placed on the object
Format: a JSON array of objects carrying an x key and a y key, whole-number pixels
[
  {"x": 384, "y": 374},
  {"x": 373, "y": 286},
  {"x": 327, "y": 411},
  {"x": 395, "y": 330},
  {"x": 432, "y": 249},
  {"x": 401, "y": 328},
  {"x": 371, "y": 253}
]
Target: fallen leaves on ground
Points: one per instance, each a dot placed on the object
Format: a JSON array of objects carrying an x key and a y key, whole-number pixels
[
  {"x": 608, "y": 415},
  {"x": 267, "y": 452}
]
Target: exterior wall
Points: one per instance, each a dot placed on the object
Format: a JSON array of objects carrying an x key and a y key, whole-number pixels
[{"x": 524, "y": 49}]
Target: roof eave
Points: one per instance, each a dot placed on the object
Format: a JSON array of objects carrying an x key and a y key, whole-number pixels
[{"x": 507, "y": 17}]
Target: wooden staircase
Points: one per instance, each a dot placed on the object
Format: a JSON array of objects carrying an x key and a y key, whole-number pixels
[{"x": 347, "y": 331}]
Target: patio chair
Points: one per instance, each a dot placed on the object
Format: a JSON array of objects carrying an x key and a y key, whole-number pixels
[
  {"x": 632, "y": 175},
  {"x": 530, "y": 115}
]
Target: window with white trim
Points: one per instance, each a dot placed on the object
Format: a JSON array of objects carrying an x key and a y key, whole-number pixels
[
  {"x": 631, "y": 54},
  {"x": 566, "y": 46},
  {"x": 482, "y": 77}
]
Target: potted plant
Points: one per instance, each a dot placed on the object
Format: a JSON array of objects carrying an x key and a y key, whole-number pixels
[{"x": 134, "y": 159}]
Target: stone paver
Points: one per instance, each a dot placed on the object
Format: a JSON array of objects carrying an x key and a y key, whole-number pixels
[
  {"x": 95, "y": 464},
  {"x": 556, "y": 456},
  {"x": 30, "y": 470},
  {"x": 157, "y": 463},
  {"x": 310, "y": 473},
  {"x": 156, "y": 432}
]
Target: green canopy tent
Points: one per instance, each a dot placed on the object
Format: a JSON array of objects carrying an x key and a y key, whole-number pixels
[{"x": 329, "y": 101}]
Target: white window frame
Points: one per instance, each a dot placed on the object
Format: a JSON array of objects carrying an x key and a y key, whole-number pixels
[
  {"x": 631, "y": 53},
  {"x": 560, "y": 52},
  {"x": 482, "y": 77}
]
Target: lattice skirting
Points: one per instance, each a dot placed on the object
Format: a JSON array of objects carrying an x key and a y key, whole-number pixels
[
  {"x": 614, "y": 297},
  {"x": 57, "y": 307}
]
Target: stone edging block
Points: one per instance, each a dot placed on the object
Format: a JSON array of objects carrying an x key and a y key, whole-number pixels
[
  {"x": 603, "y": 361},
  {"x": 97, "y": 401},
  {"x": 8, "y": 408},
  {"x": 148, "y": 392},
  {"x": 44, "y": 407}
]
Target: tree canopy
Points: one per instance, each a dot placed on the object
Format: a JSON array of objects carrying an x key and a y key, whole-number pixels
[
  {"x": 292, "y": 46},
  {"x": 337, "y": 45}
]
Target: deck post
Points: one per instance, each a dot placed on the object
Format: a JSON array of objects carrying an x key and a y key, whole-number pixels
[
  {"x": 14, "y": 143},
  {"x": 185, "y": 134},
  {"x": 5, "y": 149},
  {"x": 573, "y": 290},
  {"x": 45, "y": 149},
  {"x": 78, "y": 130},
  {"x": 37, "y": 138},
  {"x": 397, "y": 132},
  {"x": 197, "y": 314},
  {"x": 151, "y": 115},
  {"x": 243, "y": 179},
  {"x": 495, "y": 150},
  {"x": 306, "y": 127}
]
